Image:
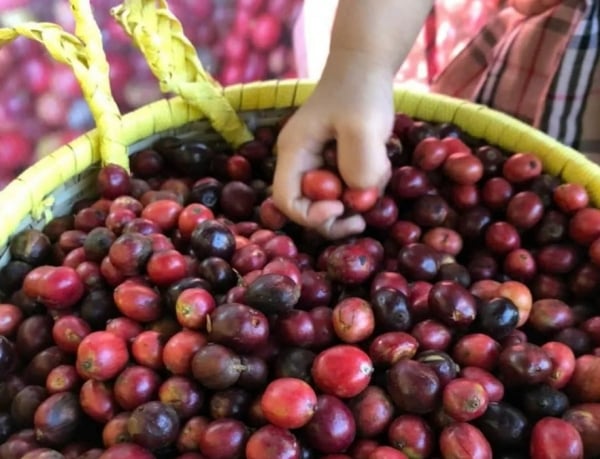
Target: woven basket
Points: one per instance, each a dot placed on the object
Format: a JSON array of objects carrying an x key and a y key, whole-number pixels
[{"x": 204, "y": 110}]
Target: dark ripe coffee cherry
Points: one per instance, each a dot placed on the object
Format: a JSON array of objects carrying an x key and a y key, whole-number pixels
[
  {"x": 332, "y": 428},
  {"x": 449, "y": 130},
  {"x": 130, "y": 252},
  {"x": 472, "y": 222},
  {"x": 525, "y": 209},
  {"x": 525, "y": 363},
  {"x": 397, "y": 155},
  {"x": 238, "y": 200},
  {"x": 6, "y": 427},
  {"x": 230, "y": 403},
  {"x": 578, "y": 340},
  {"x": 267, "y": 168},
  {"x": 167, "y": 145},
  {"x": 218, "y": 273},
  {"x": 544, "y": 186},
  {"x": 383, "y": 214},
  {"x": 413, "y": 386},
  {"x": 212, "y": 239},
  {"x": 443, "y": 365},
  {"x": 8, "y": 357},
  {"x": 12, "y": 275},
  {"x": 97, "y": 243},
  {"x": 255, "y": 373},
  {"x": 504, "y": 425},
  {"x": 153, "y": 425},
  {"x": 455, "y": 272},
  {"x": 97, "y": 308},
  {"x": 418, "y": 261},
  {"x": 543, "y": 400},
  {"x": 502, "y": 237},
  {"x": 255, "y": 150},
  {"x": 113, "y": 181},
  {"x": 492, "y": 159},
  {"x": 553, "y": 227},
  {"x": 496, "y": 192},
  {"x": 452, "y": 304},
  {"x": 207, "y": 191},
  {"x": 192, "y": 159},
  {"x": 408, "y": 182},
  {"x": 30, "y": 246},
  {"x": 430, "y": 210},
  {"x": 497, "y": 317},
  {"x": 390, "y": 308},
  {"x": 272, "y": 293},
  {"x": 417, "y": 131},
  {"x": 146, "y": 163},
  {"x": 294, "y": 362},
  {"x": 216, "y": 367},
  {"x": 57, "y": 418},
  {"x": 240, "y": 327},
  {"x": 482, "y": 266}
]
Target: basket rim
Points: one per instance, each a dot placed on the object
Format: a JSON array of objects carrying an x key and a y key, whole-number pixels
[{"x": 31, "y": 192}]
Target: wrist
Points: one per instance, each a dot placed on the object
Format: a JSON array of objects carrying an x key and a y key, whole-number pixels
[{"x": 344, "y": 64}]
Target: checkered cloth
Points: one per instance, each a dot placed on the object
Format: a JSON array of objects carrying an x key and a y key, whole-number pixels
[{"x": 541, "y": 68}]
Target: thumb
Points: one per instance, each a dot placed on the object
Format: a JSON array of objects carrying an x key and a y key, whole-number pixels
[{"x": 363, "y": 161}]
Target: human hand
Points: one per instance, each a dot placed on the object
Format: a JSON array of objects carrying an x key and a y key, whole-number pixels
[{"x": 352, "y": 103}]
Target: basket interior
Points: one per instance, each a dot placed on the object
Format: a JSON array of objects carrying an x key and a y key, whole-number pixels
[{"x": 82, "y": 185}]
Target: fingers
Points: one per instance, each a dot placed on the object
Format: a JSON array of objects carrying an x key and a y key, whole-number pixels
[
  {"x": 296, "y": 155},
  {"x": 362, "y": 158},
  {"x": 340, "y": 228},
  {"x": 320, "y": 212}
]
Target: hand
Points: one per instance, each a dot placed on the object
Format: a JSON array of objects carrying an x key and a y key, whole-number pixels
[{"x": 353, "y": 103}]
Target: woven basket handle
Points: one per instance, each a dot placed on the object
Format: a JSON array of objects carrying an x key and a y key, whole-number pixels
[
  {"x": 83, "y": 52},
  {"x": 174, "y": 61}
]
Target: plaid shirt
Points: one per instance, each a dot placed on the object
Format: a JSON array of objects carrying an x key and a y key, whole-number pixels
[{"x": 542, "y": 69}]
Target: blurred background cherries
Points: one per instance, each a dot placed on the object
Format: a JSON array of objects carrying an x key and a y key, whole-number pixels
[{"x": 41, "y": 106}]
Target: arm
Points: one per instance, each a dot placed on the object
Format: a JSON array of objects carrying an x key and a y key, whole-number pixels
[
  {"x": 353, "y": 103},
  {"x": 382, "y": 31}
]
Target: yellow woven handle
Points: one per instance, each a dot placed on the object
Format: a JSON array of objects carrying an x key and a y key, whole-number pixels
[
  {"x": 83, "y": 52},
  {"x": 173, "y": 60}
]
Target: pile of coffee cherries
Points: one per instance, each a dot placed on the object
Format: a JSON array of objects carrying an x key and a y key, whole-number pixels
[{"x": 180, "y": 314}]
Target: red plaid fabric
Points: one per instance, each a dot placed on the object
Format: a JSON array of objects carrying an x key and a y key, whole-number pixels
[{"x": 539, "y": 66}]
